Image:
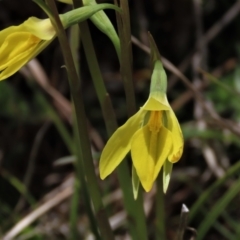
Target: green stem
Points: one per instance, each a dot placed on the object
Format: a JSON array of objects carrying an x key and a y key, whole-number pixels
[
  {"x": 134, "y": 208},
  {"x": 124, "y": 29},
  {"x": 74, "y": 235},
  {"x": 160, "y": 209},
  {"x": 74, "y": 82},
  {"x": 80, "y": 185},
  {"x": 80, "y": 180}
]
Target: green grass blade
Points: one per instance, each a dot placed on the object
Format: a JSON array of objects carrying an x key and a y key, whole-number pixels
[
  {"x": 216, "y": 211},
  {"x": 207, "y": 193}
]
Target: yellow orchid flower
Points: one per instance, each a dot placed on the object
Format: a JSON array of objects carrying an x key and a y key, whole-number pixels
[
  {"x": 19, "y": 44},
  {"x": 152, "y": 135}
]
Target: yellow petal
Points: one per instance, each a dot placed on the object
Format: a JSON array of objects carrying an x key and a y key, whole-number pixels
[
  {"x": 10, "y": 52},
  {"x": 41, "y": 28},
  {"x": 21, "y": 61},
  {"x": 149, "y": 150},
  {"x": 165, "y": 143},
  {"x": 160, "y": 97},
  {"x": 7, "y": 31},
  {"x": 119, "y": 144},
  {"x": 153, "y": 104},
  {"x": 173, "y": 126}
]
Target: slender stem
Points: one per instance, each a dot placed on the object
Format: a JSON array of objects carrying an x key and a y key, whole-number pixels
[
  {"x": 124, "y": 29},
  {"x": 80, "y": 180},
  {"x": 93, "y": 187},
  {"x": 80, "y": 186},
  {"x": 160, "y": 209},
  {"x": 134, "y": 208}
]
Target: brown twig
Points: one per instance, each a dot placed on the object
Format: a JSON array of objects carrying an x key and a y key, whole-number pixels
[
  {"x": 208, "y": 37},
  {"x": 195, "y": 91},
  {"x": 34, "y": 215}
]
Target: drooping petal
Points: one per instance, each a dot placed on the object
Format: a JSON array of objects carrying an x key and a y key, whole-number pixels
[
  {"x": 22, "y": 60},
  {"x": 19, "y": 44},
  {"x": 173, "y": 126},
  {"x": 7, "y": 31},
  {"x": 10, "y": 53},
  {"x": 164, "y": 146},
  {"x": 153, "y": 104},
  {"x": 142, "y": 156},
  {"x": 41, "y": 28},
  {"x": 119, "y": 144},
  {"x": 149, "y": 151}
]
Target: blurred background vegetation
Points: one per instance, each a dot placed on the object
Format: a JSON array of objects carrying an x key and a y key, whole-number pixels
[{"x": 202, "y": 39}]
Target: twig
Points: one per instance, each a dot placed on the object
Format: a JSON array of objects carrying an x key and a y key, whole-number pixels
[
  {"x": 38, "y": 73},
  {"x": 34, "y": 215},
  {"x": 31, "y": 163},
  {"x": 62, "y": 104},
  {"x": 209, "y": 36},
  {"x": 199, "y": 60},
  {"x": 222, "y": 23}
]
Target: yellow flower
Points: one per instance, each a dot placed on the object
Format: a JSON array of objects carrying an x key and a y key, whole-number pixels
[
  {"x": 150, "y": 141},
  {"x": 152, "y": 135},
  {"x": 19, "y": 44}
]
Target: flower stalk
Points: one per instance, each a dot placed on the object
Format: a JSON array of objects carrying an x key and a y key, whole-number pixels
[{"x": 94, "y": 190}]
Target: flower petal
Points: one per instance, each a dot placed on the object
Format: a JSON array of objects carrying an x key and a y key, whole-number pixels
[
  {"x": 153, "y": 104},
  {"x": 41, "y": 28},
  {"x": 173, "y": 126},
  {"x": 143, "y": 160},
  {"x": 7, "y": 31},
  {"x": 119, "y": 144},
  {"x": 10, "y": 53},
  {"x": 165, "y": 143},
  {"x": 22, "y": 60},
  {"x": 149, "y": 151}
]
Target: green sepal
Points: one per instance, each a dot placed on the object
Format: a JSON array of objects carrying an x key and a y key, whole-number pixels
[
  {"x": 102, "y": 22},
  {"x": 159, "y": 77},
  {"x": 135, "y": 182},
  {"x": 167, "y": 170}
]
